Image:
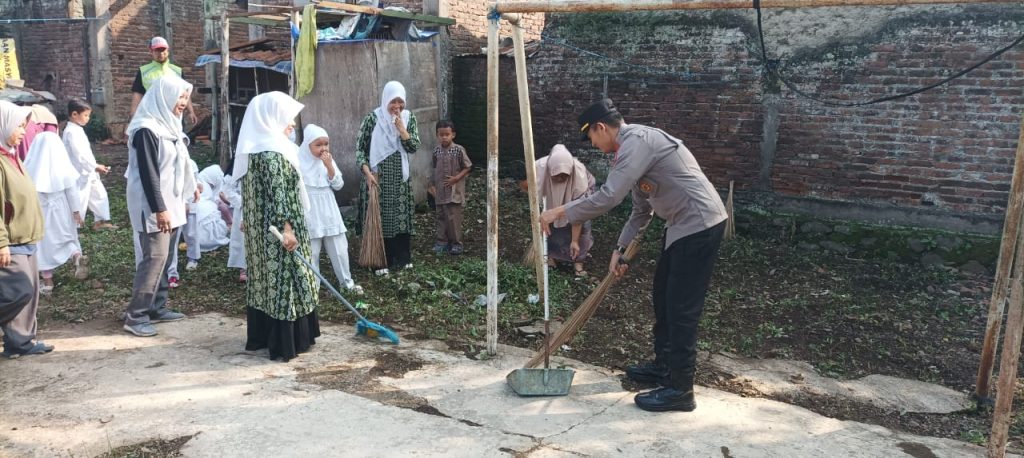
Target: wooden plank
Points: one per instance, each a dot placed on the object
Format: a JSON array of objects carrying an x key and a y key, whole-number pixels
[
  {"x": 1007, "y": 247},
  {"x": 1005, "y": 385},
  {"x": 237, "y": 47},
  {"x": 386, "y": 13},
  {"x": 529, "y": 155},
  {"x": 275, "y": 22},
  {"x": 581, "y": 6},
  {"x": 224, "y": 116}
]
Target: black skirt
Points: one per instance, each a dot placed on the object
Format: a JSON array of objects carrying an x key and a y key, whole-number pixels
[{"x": 284, "y": 339}]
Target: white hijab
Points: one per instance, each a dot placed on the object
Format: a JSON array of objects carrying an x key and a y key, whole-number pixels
[
  {"x": 11, "y": 116},
  {"x": 48, "y": 164},
  {"x": 266, "y": 118},
  {"x": 385, "y": 140},
  {"x": 156, "y": 113},
  {"x": 312, "y": 168},
  {"x": 212, "y": 178}
]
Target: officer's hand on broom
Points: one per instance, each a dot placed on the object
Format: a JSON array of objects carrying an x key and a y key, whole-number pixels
[
  {"x": 549, "y": 216},
  {"x": 617, "y": 265}
]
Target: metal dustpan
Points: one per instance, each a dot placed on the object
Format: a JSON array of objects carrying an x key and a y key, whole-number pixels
[
  {"x": 546, "y": 381},
  {"x": 540, "y": 382}
]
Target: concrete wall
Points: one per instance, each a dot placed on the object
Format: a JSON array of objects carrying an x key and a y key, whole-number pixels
[
  {"x": 340, "y": 101},
  {"x": 941, "y": 159}
]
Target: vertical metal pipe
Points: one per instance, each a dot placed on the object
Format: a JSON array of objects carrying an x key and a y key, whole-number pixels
[
  {"x": 492, "y": 186},
  {"x": 224, "y": 136}
]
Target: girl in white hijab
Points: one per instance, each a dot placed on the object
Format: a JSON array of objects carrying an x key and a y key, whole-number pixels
[
  {"x": 563, "y": 179},
  {"x": 281, "y": 293},
  {"x": 387, "y": 130},
  {"x": 160, "y": 180},
  {"x": 326, "y": 227},
  {"x": 57, "y": 184}
]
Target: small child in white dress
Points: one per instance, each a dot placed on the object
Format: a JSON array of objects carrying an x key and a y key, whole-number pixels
[
  {"x": 56, "y": 182},
  {"x": 326, "y": 227}
]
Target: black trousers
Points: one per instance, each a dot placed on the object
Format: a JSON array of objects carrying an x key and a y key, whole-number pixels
[
  {"x": 680, "y": 286},
  {"x": 398, "y": 250}
]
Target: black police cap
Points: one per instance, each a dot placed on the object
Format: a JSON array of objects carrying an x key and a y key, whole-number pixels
[{"x": 595, "y": 113}]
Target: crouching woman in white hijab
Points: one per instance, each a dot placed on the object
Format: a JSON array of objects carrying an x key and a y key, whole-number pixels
[
  {"x": 20, "y": 231},
  {"x": 160, "y": 180}
]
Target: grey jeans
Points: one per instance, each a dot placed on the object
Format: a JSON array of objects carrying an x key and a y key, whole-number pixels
[
  {"x": 19, "y": 301},
  {"x": 149, "y": 289}
]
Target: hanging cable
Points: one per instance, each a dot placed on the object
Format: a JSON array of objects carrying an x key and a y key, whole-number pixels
[{"x": 771, "y": 68}]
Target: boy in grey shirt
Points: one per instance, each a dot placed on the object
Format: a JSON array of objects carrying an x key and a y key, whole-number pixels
[{"x": 665, "y": 179}]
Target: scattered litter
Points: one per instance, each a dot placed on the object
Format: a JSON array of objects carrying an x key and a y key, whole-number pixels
[
  {"x": 533, "y": 298},
  {"x": 481, "y": 300}
]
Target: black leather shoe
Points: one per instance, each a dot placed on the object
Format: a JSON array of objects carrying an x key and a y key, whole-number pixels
[
  {"x": 666, "y": 399},
  {"x": 648, "y": 372}
]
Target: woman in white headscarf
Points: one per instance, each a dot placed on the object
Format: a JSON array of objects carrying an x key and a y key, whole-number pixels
[
  {"x": 21, "y": 228},
  {"x": 160, "y": 180},
  {"x": 387, "y": 137},
  {"x": 562, "y": 179},
  {"x": 281, "y": 294},
  {"x": 57, "y": 184},
  {"x": 326, "y": 227}
]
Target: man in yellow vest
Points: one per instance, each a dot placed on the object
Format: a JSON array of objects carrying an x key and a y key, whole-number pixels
[{"x": 160, "y": 66}]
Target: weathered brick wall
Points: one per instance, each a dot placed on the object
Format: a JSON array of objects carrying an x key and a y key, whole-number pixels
[
  {"x": 951, "y": 148},
  {"x": 469, "y": 110},
  {"x": 698, "y": 75},
  {"x": 469, "y": 33},
  {"x": 52, "y": 56},
  {"x": 707, "y": 93}
]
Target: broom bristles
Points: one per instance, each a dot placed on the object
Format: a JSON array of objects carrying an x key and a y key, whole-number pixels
[
  {"x": 530, "y": 256},
  {"x": 371, "y": 251},
  {"x": 584, "y": 312}
]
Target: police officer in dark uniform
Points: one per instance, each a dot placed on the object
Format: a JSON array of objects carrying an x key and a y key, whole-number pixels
[{"x": 663, "y": 177}]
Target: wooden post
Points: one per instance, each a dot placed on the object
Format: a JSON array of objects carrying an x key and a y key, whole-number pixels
[
  {"x": 294, "y": 21},
  {"x": 581, "y": 6},
  {"x": 1011, "y": 227},
  {"x": 224, "y": 136},
  {"x": 492, "y": 186},
  {"x": 1008, "y": 362},
  {"x": 526, "y": 120}
]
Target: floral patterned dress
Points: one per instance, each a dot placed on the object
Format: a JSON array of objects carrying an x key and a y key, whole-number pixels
[
  {"x": 280, "y": 295},
  {"x": 396, "y": 203}
]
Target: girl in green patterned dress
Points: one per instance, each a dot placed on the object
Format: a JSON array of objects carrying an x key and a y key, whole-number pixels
[
  {"x": 387, "y": 130},
  {"x": 280, "y": 295}
]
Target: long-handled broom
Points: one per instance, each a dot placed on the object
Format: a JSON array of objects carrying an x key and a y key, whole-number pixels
[
  {"x": 585, "y": 311},
  {"x": 364, "y": 327}
]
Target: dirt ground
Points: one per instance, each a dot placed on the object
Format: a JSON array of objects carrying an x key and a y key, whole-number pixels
[{"x": 769, "y": 298}]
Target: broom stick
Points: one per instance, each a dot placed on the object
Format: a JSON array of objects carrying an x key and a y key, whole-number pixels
[
  {"x": 730, "y": 224},
  {"x": 586, "y": 309}
]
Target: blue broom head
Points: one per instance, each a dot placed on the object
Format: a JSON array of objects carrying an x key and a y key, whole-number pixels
[{"x": 370, "y": 329}]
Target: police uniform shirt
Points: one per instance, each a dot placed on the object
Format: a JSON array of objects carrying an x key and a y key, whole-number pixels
[{"x": 663, "y": 176}]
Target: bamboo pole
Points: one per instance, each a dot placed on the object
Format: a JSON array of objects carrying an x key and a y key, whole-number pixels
[
  {"x": 526, "y": 119},
  {"x": 1011, "y": 227},
  {"x": 224, "y": 123},
  {"x": 492, "y": 186},
  {"x": 1008, "y": 362},
  {"x": 584, "y": 6}
]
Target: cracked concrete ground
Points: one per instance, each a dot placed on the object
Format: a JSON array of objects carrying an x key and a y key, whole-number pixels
[{"x": 104, "y": 389}]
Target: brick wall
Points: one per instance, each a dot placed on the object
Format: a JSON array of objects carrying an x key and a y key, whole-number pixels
[
  {"x": 52, "y": 56},
  {"x": 951, "y": 148},
  {"x": 698, "y": 75},
  {"x": 709, "y": 98},
  {"x": 469, "y": 33}
]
